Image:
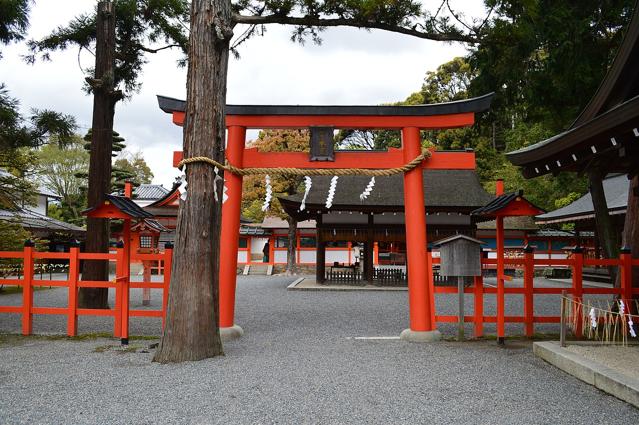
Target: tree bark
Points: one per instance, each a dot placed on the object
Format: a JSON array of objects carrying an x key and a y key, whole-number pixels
[
  {"x": 97, "y": 235},
  {"x": 631, "y": 225},
  {"x": 291, "y": 257},
  {"x": 608, "y": 235},
  {"x": 192, "y": 323}
]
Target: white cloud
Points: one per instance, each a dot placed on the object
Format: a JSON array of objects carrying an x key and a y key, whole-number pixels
[{"x": 351, "y": 67}]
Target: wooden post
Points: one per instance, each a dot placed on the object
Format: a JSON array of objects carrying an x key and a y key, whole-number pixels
[
  {"x": 577, "y": 285},
  {"x": 368, "y": 250},
  {"x": 460, "y": 296},
  {"x": 72, "y": 281},
  {"x": 419, "y": 295},
  {"x": 168, "y": 263},
  {"x": 431, "y": 283},
  {"x": 229, "y": 237},
  {"x": 146, "y": 278},
  {"x": 126, "y": 292},
  {"x": 479, "y": 306},
  {"x": 27, "y": 288},
  {"x": 625, "y": 262},
  {"x": 562, "y": 320},
  {"x": 500, "y": 281},
  {"x": 529, "y": 296},
  {"x": 320, "y": 266},
  {"x": 119, "y": 272}
]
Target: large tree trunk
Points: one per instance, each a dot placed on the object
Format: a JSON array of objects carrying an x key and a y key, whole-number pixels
[
  {"x": 291, "y": 263},
  {"x": 631, "y": 225},
  {"x": 606, "y": 231},
  {"x": 97, "y": 235},
  {"x": 192, "y": 324}
]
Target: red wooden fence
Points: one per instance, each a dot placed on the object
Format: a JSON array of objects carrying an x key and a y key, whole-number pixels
[
  {"x": 122, "y": 284},
  {"x": 527, "y": 263}
]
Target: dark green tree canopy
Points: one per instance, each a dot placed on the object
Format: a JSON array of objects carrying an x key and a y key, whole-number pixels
[{"x": 14, "y": 20}]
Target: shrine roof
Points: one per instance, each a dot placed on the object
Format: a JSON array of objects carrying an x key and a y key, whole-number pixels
[
  {"x": 444, "y": 190},
  {"x": 477, "y": 104},
  {"x": 616, "y": 192},
  {"x": 508, "y": 204},
  {"x": 124, "y": 205}
]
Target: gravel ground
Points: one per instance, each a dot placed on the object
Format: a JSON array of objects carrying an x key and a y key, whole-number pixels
[
  {"x": 619, "y": 358},
  {"x": 297, "y": 363}
]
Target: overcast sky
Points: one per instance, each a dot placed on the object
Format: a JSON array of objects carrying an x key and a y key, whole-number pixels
[{"x": 350, "y": 67}]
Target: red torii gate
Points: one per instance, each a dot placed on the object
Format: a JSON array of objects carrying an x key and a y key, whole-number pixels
[{"x": 409, "y": 119}]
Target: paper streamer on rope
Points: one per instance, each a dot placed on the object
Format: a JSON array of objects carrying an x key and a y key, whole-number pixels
[
  {"x": 631, "y": 327},
  {"x": 622, "y": 307},
  {"x": 182, "y": 188},
  {"x": 269, "y": 193},
  {"x": 331, "y": 192},
  {"x": 217, "y": 179},
  {"x": 593, "y": 318},
  {"x": 307, "y": 188},
  {"x": 368, "y": 190}
]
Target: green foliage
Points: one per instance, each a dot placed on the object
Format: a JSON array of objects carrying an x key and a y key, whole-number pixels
[
  {"x": 142, "y": 26},
  {"x": 136, "y": 167},
  {"x": 14, "y": 20},
  {"x": 60, "y": 170}
]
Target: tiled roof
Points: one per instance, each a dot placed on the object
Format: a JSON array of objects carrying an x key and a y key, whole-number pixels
[
  {"x": 35, "y": 221},
  {"x": 616, "y": 191},
  {"x": 150, "y": 191},
  {"x": 442, "y": 189}
]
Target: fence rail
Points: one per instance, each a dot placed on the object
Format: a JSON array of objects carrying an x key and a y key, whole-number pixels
[
  {"x": 122, "y": 284},
  {"x": 527, "y": 262}
]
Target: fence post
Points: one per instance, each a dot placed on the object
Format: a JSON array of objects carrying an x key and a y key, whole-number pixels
[
  {"x": 124, "y": 284},
  {"x": 479, "y": 300},
  {"x": 27, "y": 288},
  {"x": 72, "y": 282},
  {"x": 431, "y": 282},
  {"x": 562, "y": 319},
  {"x": 119, "y": 272},
  {"x": 529, "y": 296},
  {"x": 625, "y": 257},
  {"x": 577, "y": 285},
  {"x": 168, "y": 264}
]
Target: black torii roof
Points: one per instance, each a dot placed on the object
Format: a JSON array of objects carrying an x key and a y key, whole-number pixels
[
  {"x": 607, "y": 128},
  {"x": 476, "y": 104}
]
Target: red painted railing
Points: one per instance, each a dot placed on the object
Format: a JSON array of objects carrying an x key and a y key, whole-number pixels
[
  {"x": 527, "y": 263},
  {"x": 121, "y": 311}
]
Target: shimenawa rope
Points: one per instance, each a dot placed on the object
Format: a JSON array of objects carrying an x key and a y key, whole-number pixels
[{"x": 283, "y": 171}]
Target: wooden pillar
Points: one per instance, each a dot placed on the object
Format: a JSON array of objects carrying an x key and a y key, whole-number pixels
[
  {"x": 499, "y": 224},
  {"x": 631, "y": 225},
  {"x": 529, "y": 295},
  {"x": 230, "y": 233},
  {"x": 500, "y": 280},
  {"x": 27, "y": 288},
  {"x": 577, "y": 286},
  {"x": 606, "y": 230},
  {"x": 368, "y": 250},
  {"x": 419, "y": 294},
  {"x": 126, "y": 270},
  {"x": 320, "y": 268}
]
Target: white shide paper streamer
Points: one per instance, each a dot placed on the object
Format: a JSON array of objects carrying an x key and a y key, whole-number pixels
[
  {"x": 368, "y": 190},
  {"x": 269, "y": 193},
  {"x": 331, "y": 192},
  {"x": 307, "y": 188}
]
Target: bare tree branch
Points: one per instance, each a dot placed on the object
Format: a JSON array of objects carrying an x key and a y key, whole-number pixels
[{"x": 313, "y": 21}]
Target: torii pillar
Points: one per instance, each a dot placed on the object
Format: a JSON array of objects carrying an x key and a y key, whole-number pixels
[
  {"x": 229, "y": 235},
  {"x": 420, "y": 297}
]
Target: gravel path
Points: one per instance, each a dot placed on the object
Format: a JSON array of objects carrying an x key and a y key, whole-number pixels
[{"x": 297, "y": 363}]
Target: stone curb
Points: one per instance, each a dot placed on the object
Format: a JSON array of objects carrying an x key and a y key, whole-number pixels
[{"x": 593, "y": 373}]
